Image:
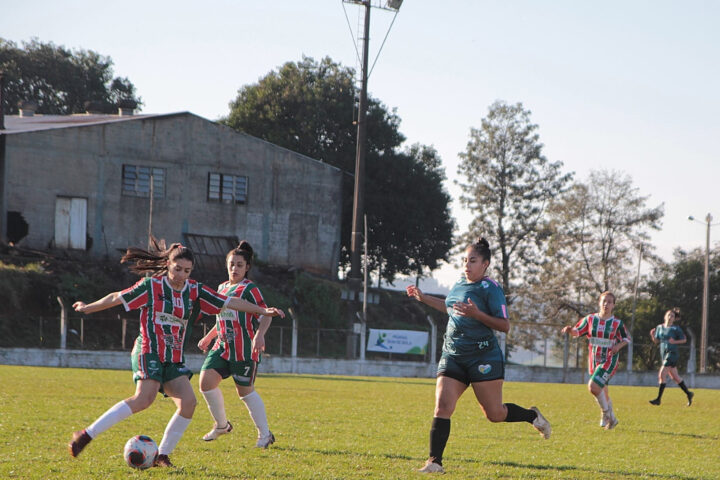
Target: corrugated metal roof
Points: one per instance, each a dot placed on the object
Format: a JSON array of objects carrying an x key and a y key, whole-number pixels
[{"x": 17, "y": 124}]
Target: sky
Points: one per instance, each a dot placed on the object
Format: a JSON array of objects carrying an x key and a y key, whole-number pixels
[{"x": 625, "y": 86}]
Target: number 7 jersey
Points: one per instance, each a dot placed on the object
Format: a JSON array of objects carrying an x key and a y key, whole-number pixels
[{"x": 236, "y": 330}]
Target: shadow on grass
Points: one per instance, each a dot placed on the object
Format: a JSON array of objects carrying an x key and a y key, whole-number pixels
[
  {"x": 688, "y": 435},
  {"x": 526, "y": 466},
  {"x": 568, "y": 468}
]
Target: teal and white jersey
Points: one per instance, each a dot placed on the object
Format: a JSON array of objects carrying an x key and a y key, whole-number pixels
[
  {"x": 465, "y": 335},
  {"x": 664, "y": 334}
]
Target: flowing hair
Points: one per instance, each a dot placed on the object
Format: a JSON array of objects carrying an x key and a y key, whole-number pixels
[{"x": 154, "y": 261}]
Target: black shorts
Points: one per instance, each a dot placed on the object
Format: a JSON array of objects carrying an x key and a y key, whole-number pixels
[{"x": 473, "y": 368}]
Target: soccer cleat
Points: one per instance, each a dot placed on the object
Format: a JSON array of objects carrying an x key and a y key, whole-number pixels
[
  {"x": 603, "y": 420},
  {"x": 163, "y": 460},
  {"x": 655, "y": 401},
  {"x": 611, "y": 421},
  {"x": 265, "y": 442},
  {"x": 80, "y": 439},
  {"x": 540, "y": 424},
  {"x": 431, "y": 467},
  {"x": 690, "y": 397},
  {"x": 216, "y": 432}
]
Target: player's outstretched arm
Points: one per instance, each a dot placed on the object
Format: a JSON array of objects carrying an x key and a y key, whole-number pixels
[
  {"x": 236, "y": 303},
  {"x": 569, "y": 329},
  {"x": 108, "y": 301},
  {"x": 429, "y": 300}
]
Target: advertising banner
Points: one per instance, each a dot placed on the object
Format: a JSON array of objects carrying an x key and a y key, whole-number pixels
[{"x": 398, "y": 341}]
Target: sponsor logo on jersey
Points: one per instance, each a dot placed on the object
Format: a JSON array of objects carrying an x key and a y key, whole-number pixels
[
  {"x": 484, "y": 284},
  {"x": 484, "y": 369},
  {"x": 162, "y": 318}
]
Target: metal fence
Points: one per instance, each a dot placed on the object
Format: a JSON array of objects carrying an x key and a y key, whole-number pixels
[{"x": 105, "y": 331}]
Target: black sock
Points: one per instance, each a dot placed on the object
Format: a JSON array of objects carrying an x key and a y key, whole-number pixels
[
  {"x": 684, "y": 387},
  {"x": 519, "y": 414},
  {"x": 439, "y": 434},
  {"x": 661, "y": 390}
]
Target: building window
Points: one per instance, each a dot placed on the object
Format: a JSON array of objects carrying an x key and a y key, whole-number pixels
[
  {"x": 136, "y": 181},
  {"x": 227, "y": 188}
]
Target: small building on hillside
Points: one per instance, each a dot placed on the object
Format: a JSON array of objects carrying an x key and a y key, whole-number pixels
[{"x": 83, "y": 183}]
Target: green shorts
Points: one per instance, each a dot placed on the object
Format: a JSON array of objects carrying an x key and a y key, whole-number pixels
[
  {"x": 148, "y": 366},
  {"x": 243, "y": 373}
]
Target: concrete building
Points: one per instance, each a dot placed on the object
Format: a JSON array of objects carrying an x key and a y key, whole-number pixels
[{"x": 82, "y": 184}]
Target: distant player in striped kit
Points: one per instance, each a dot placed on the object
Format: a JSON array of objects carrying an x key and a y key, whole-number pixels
[
  {"x": 606, "y": 336},
  {"x": 167, "y": 301},
  {"x": 669, "y": 336},
  {"x": 471, "y": 355},
  {"x": 239, "y": 340}
]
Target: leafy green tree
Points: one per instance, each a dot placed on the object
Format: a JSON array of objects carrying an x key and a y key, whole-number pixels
[
  {"x": 508, "y": 186},
  {"x": 309, "y": 107},
  {"x": 60, "y": 81}
]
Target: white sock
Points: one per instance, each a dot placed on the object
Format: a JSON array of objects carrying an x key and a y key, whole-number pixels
[
  {"x": 117, "y": 413},
  {"x": 602, "y": 401},
  {"x": 216, "y": 405},
  {"x": 256, "y": 407},
  {"x": 173, "y": 432}
]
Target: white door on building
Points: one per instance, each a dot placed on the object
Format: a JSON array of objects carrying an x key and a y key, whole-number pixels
[{"x": 70, "y": 222}]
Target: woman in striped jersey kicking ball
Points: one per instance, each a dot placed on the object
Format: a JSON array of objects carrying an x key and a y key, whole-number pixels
[
  {"x": 606, "y": 336},
  {"x": 239, "y": 339},
  {"x": 168, "y": 301}
]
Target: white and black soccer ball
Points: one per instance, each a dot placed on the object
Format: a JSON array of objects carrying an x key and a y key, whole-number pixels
[{"x": 140, "y": 452}]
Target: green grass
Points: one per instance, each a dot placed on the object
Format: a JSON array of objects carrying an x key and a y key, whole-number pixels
[{"x": 357, "y": 427}]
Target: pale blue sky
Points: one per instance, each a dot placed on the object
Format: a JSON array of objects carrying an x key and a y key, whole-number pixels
[{"x": 623, "y": 85}]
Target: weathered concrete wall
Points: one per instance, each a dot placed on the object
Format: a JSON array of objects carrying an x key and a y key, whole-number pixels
[
  {"x": 292, "y": 215},
  {"x": 320, "y": 366}
]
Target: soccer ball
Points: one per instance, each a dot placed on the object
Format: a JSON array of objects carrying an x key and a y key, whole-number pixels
[{"x": 140, "y": 452}]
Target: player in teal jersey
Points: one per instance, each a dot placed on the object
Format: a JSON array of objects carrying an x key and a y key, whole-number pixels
[
  {"x": 166, "y": 300},
  {"x": 471, "y": 355},
  {"x": 239, "y": 340},
  {"x": 669, "y": 336},
  {"x": 606, "y": 336}
]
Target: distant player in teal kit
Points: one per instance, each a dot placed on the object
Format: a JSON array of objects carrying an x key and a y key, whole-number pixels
[
  {"x": 471, "y": 354},
  {"x": 669, "y": 336}
]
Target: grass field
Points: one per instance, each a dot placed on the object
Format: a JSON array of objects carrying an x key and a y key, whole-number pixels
[{"x": 357, "y": 427}]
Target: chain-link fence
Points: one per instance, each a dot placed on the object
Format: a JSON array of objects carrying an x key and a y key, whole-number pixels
[{"x": 545, "y": 347}]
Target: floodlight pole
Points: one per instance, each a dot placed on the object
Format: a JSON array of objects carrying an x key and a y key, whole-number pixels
[
  {"x": 706, "y": 292},
  {"x": 359, "y": 193},
  {"x": 706, "y": 298}
]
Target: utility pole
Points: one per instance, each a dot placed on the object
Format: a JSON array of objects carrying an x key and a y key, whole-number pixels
[{"x": 359, "y": 193}]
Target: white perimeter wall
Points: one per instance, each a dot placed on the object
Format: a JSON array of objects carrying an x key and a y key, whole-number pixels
[{"x": 328, "y": 366}]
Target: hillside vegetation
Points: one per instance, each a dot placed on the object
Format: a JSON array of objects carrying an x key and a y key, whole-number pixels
[{"x": 30, "y": 310}]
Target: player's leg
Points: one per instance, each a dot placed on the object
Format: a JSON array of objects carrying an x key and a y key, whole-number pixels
[
  {"x": 182, "y": 394},
  {"x": 244, "y": 374},
  {"x": 214, "y": 369},
  {"x": 489, "y": 396},
  {"x": 147, "y": 384},
  {"x": 662, "y": 375},
  {"x": 145, "y": 393},
  {"x": 681, "y": 383},
  {"x": 447, "y": 392}
]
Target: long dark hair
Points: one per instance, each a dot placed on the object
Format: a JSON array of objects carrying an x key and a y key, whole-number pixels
[
  {"x": 154, "y": 261},
  {"x": 244, "y": 250}
]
